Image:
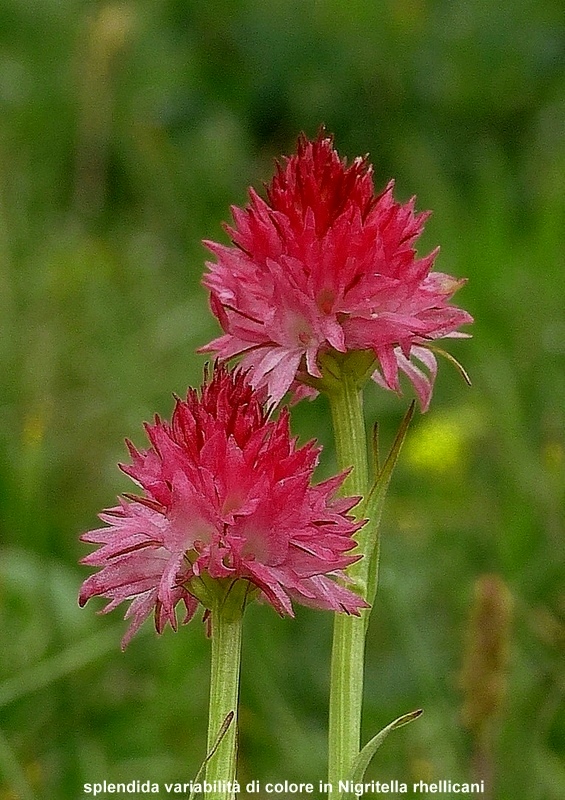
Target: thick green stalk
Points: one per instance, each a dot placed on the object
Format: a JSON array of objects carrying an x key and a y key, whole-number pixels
[
  {"x": 224, "y": 691},
  {"x": 348, "y": 652}
]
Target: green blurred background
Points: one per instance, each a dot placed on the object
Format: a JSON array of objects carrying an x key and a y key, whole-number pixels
[{"x": 126, "y": 131}]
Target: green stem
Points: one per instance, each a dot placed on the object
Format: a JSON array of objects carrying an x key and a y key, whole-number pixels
[
  {"x": 348, "y": 652},
  {"x": 224, "y": 690},
  {"x": 346, "y": 404}
]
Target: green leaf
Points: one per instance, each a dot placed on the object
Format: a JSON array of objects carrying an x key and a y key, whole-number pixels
[
  {"x": 222, "y": 732},
  {"x": 372, "y": 508},
  {"x": 448, "y": 357},
  {"x": 365, "y": 756}
]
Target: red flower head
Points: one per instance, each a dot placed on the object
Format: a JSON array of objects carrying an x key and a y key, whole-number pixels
[
  {"x": 324, "y": 264},
  {"x": 227, "y": 496}
]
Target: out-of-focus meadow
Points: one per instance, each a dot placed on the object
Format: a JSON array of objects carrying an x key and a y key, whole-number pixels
[{"x": 126, "y": 131}]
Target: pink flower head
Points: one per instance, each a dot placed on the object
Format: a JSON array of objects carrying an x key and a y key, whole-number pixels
[
  {"x": 325, "y": 264},
  {"x": 227, "y": 495}
]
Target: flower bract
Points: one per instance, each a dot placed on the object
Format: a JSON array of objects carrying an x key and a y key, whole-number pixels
[
  {"x": 227, "y": 497},
  {"x": 325, "y": 264}
]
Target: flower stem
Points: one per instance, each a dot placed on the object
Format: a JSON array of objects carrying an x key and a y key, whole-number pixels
[
  {"x": 224, "y": 690},
  {"x": 348, "y": 652}
]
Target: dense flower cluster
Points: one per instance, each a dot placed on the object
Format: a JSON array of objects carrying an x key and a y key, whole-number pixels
[
  {"x": 227, "y": 496},
  {"x": 325, "y": 264}
]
